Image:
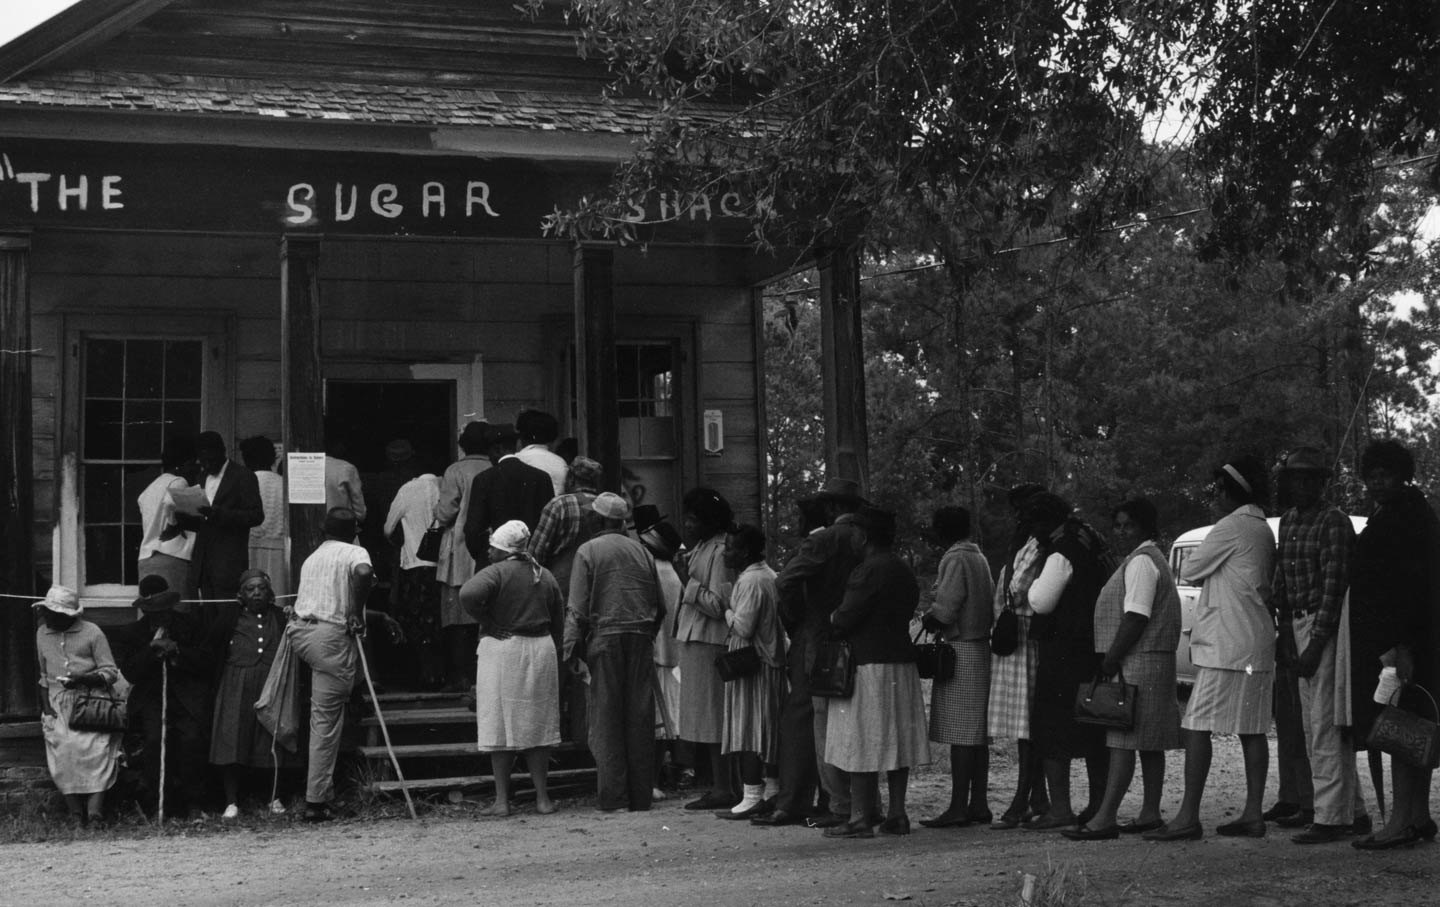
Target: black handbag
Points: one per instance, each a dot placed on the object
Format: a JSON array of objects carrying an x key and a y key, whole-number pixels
[
  {"x": 429, "y": 547},
  {"x": 98, "y": 710},
  {"x": 1407, "y": 736},
  {"x": 833, "y": 674},
  {"x": 934, "y": 660},
  {"x": 1107, "y": 703},
  {"x": 1005, "y": 635},
  {"x": 737, "y": 663}
]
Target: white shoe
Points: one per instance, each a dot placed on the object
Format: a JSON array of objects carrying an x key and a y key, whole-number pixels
[
  {"x": 657, "y": 794},
  {"x": 231, "y": 812},
  {"x": 277, "y": 808}
]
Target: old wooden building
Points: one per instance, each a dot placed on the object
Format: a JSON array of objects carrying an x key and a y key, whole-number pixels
[{"x": 277, "y": 216}]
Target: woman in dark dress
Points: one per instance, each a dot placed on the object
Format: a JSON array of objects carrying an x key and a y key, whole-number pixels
[
  {"x": 1393, "y": 623},
  {"x": 245, "y": 636}
]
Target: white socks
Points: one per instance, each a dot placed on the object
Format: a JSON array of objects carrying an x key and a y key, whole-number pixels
[{"x": 754, "y": 793}]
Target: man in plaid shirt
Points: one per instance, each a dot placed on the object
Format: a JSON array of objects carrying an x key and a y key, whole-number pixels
[{"x": 1312, "y": 578}]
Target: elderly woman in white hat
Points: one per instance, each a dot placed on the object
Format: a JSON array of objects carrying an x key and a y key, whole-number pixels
[
  {"x": 521, "y": 612},
  {"x": 74, "y": 656}
]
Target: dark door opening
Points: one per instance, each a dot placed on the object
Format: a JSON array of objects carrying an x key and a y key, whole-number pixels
[{"x": 367, "y": 415}]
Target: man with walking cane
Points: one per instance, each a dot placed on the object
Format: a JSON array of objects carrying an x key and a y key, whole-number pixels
[{"x": 326, "y": 634}]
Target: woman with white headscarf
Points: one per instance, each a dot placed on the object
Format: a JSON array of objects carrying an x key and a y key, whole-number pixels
[{"x": 521, "y": 613}]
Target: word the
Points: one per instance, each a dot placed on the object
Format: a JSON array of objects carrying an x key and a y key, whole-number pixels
[{"x": 70, "y": 190}]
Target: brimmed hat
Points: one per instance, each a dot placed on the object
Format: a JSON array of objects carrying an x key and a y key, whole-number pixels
[
  {"x": 156, "y": 595},
  {"x": 502, "y": 433},
  {"x": 611, "y": 506},
  {"x": 1305, "y": 459},
  {"x": 661, "y": 538},
  {"x": 646, "y": 515},
  {"x": 586, "y": 472},
  {"x": 838, "y": 489},
  {"x": 473, "y": 435},
  {"x": 61, "y": 600}
]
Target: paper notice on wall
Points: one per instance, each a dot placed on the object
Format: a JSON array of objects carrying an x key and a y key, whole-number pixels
[{"x": 305, "y": 477}]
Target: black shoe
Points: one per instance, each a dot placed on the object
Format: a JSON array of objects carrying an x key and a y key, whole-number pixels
[
  {"x": 826, "y": 820},
  {"x": 1280, "y": 810},
  {"x": 1298, "y": 819},
  {"x": 316, "y": 812},
  {"x": 1362, "y": 826},
  {"x": 1321, "y": 834},
  {"x": 1086, "y": 833},
  {"x": 1237, "y": 829},
  {"x": 900, "y": 825},
  {"x": 713, "y": 801},
  {"x": 777, "y": 818}
]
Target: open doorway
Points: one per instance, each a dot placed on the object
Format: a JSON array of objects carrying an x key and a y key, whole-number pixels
[{"x": 368, "y": 415}]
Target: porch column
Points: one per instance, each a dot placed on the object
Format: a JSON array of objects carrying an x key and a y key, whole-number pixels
[
  {"x": 18, "y": 692},
  {"x": 302, "y": 390},
  {"x": 599, "y": 411},
  {"x": 842, "y": 366}
]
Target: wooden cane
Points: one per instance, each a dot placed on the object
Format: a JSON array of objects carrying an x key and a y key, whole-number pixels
[
  {"x": 384, "y": 731},
  {"x": 164, "y": 731}
]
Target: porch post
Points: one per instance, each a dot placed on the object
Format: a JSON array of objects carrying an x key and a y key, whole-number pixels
[
  {"x": 842, "y": 366},
  {"x": 599, "y": 412},
  {"x": 302, "y": 390},
  {"x": 18, "y": 692}
]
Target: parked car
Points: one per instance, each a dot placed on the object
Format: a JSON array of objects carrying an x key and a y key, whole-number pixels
[{"x": 1184, "y": 544}]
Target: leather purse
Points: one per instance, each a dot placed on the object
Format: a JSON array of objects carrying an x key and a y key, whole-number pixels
[
  {"x": 1005, "y": 635},
  {"x": 98, "y": 710},
  {"x": 934, "y": 660},
  {"x": 429, "y": 547},
  {"x": 1407, "y": 736},
  {"x": 833, "y": 674},
  {"x": 737, "y": 663},
  {"x": 1107, "y": 703}
]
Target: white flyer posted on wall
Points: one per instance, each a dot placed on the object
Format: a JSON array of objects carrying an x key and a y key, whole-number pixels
[{"x": 305, "y": 477}]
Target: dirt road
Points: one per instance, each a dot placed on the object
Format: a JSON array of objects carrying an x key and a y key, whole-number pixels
[{"x": 670, "y": 857}]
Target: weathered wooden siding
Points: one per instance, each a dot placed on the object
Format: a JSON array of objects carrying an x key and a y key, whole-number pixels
[{"x": 398, "y": 302}]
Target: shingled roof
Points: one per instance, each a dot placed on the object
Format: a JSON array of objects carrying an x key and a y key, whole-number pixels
[{"x": 304, "y": 99}]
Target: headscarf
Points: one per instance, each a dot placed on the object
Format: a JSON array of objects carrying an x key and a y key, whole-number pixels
[{"x": 514, "y": 539}]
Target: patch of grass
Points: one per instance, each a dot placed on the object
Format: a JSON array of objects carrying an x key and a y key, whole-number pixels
[{"x": 1060, "y": 885}]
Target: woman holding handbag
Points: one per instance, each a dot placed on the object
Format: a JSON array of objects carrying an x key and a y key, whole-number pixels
[
  {"x": 880, "y": 727},
  {"x": 961, "y": 613},
  {"x": 1393, "y": 622},
  {"x": 753, "y": 702},
  {"x": 75, "y": 660},
  {"x": 1137, "y": 627}
]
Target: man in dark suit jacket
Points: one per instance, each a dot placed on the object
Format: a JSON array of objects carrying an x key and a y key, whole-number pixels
[
  {"x": 512, "y": 490},
  {"x": 176, "y": 640},
  {"x": 222, "y": 530}
]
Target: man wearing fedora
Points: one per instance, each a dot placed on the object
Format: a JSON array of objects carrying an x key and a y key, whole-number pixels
[
  {"x": 614, "y": 609},
  {"x": 811, "y": 587},
  {"x": 511, "y": 490},
  {"x": 1312, "y": 579},
  {"x": 166, "y": 640}
]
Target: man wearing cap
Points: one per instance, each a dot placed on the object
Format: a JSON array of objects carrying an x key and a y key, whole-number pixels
[
  {"x": 614, "y": 609},
  {"x": 511, "y": 490},
  {"x": 537, "y": 432},
  {"x": 329, "y": 617},
  {"x": 811, "y": 587},
  {"x": 222, "y": 526},
  {"x": 1312, "y": 579},
  {"x": 165, "y": 641},
  {"x": 452, "y": 510}
]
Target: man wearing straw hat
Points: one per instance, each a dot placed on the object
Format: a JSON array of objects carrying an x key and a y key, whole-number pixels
[{"x": 1312, "y": 581}]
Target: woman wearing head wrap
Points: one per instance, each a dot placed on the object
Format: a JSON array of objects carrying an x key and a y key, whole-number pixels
[
  {"x": 520, "y": 610},
  {"x": 74, "y": 656},
  {"x": 245, "y": 636}
]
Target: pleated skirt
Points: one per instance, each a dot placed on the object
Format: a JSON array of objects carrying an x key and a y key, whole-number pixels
[
  {"x": 958, "y": 706},
  {"x": 702, "y": 693},
  {"x": 1157, "y": 711},
  {"x": 1230, "y": 702},
  {"x": 517, "y": 694},
  {"x": 752, "y": 713},
  {"x": 881, "y": 726}
]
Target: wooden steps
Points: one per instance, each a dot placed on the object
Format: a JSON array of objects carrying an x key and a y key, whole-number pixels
[{"x": 433, "y": 735}]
